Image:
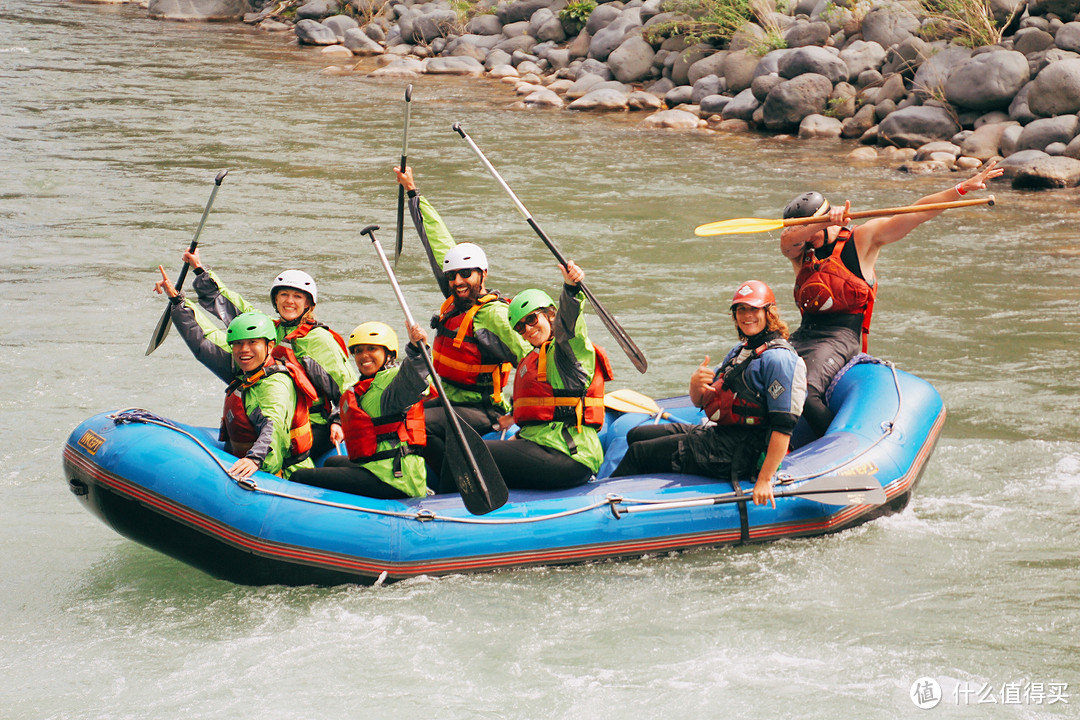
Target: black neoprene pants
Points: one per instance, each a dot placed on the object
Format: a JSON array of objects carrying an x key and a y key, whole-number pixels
[
  {"x": 529, "y": 466},
  {"x": 340, "y": 473}
]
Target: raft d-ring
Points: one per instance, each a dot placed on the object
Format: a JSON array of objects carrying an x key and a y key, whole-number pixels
[
  {"x": 887, "y": 427},
  {"x": 247, "y": 484},
  {"x": 424, "y": 515},
  {"x": 784, "y": 478},
  {"x": 614, "y": 500}
]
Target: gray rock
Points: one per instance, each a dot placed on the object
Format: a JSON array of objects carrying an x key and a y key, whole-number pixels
[
  {"x": 375, "y": 32},
  {"x": 496, "y": 58},
  {"x": 748, "y": 36},
  {"x": 520, "y": 42},
  {"x": 601, "y": 99},
  {"x": 803, "y": 34},
  {"x": 991, "y": 118},
  {"x": 406, "y": 68},
  {"x": 710, "y": 65},
  {"x": 520, "y": 10},
  {"x": 456, "y": 65},
  {"x": 1043, "y": 171},
  {"x": 770, "y": 63},
  {"x": 1009, "y": 137},
  {"x": 841, "y": 102},
  {"x": 861, "y": 56},
  {"x": 339, "y": 24},
  {"x": 579, "y": 46},
  {"x": 596, "y": 68},
  {"x": 739, "y": 70},
  {"x": 1038, "y": 134},
  {"x": 484, "y": 25},
  {"x": 741, "y": 107},
  {"x": 857, "y": 124},
  {"x": 679, "y": 95},
  {"x": 680, "y": 69},
  {"x": 558, "y": 58},
  {"x": 312, "y": 32},
  {"x": 1061, "y": 8},
  {"x": 605, "y": 41},
  {"x": 930, "y": 79},
  {"x": 1018, "y": 108},
  {"x": 988, "y": 81},
  {"x": 893, "y": 89},
  {"x": 661, "y": 87},
  {"x": 906, "y": 57},
  {"x": 763, "y": 85},
  {"x": 985, "y": 142},
  {"x": 439, "y": 23},
  {"x": 198, "y": 10},
  {"x": 632, "y": 60},
  {"x": 1073, "y": 148},
  {"x": 1056, "y": 90},
  {"x": 820, "y": 127},
  {"x": 601, "y": 17},
  {"x": 360, "y": 43},
  {"x": 1032, "y": 40},
  {"x": 1038, "y": 61},
  {"x": 317, "y": 9},
  {"x": 1055, "y": 149},
  {"x": 884, "y": 109},
  {"x": 1003, "y": 10},
  {"x": 484, "y": 42},
  {"x": 641, "y": 100},
  {"x": 789, "y": 102},
  {"x": 651, "y": 8},
  {"x": 671, "y": 120},
  {"x": 713, "y": 105},
  {"x": 917, "y": 125},
  {"x": 581, "y": 86},
  {"x": 888, "y": 25},
  {"x": 516, "y": 29},
  {"x": 816, "y": 60},
  {"x": 940, "y": 148},
  {"x": 867, "y": 78},
  {"x": 543, "y": 98},
  {"x": 708, "y": 85},
  {"x": 1068, "y": 37},
  {"x": 546, "y": 27}
]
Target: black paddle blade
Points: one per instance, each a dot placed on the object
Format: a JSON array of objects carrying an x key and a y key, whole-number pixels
[
  {"x": 481, "y": 494},
  {"x": 160, "y": 331}
]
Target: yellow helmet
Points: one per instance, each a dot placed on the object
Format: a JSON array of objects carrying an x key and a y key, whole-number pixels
[{"x": 374, "y": 333}]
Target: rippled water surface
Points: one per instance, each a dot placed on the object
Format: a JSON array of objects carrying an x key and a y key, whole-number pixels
[{"x": 113, "y": 127}]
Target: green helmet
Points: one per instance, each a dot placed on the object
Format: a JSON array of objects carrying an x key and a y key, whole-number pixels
[
  {"x": 528, "y": 301},
  {"x": 251, "y": 325}
]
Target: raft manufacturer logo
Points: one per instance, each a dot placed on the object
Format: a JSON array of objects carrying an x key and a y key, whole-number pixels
[{"x": 91, "y": 441}]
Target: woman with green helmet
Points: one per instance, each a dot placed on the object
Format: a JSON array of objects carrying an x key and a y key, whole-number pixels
[
  {"x": 267, "y": 400},
  {"x": 293, "y": 294},
  {"x": 382, "y": 417},
  {"x": 558, "y": 392}
]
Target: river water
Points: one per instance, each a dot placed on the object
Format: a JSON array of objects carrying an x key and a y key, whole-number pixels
[{"x": 113, "y": 127}]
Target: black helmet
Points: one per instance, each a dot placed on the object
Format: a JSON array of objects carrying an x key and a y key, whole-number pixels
[{"x": 809, "y": 204}]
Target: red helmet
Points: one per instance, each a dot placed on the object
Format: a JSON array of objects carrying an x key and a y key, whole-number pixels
[{"x": 753, "y": 293}]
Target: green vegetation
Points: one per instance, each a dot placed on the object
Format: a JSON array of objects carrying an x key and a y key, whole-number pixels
[
  {"x": 774, "y": 36},
  {"x": 705, "y": 21},
  {"x": 577, "y": 12},
  {"x": 965, "y": 22},
  {"x": 468, "y": 9}
]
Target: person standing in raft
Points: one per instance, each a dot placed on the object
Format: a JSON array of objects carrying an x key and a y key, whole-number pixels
[
  {"x": 475, "y": 348},
  {"x": 267, "y": 398},
  {"x": 293, "y": 295},
  {"x": 836, "y": 282},
  {"x": 383, "y": 420},
  {"x": 753, "y": 399},
  {"x": 558, "y": 392}
]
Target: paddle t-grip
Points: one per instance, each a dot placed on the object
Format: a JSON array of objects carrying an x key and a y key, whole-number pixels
[
  {"x": 456, "y": 127},
  {"x": 370, "y": 231},
  {"x": 220, "y": 176}
]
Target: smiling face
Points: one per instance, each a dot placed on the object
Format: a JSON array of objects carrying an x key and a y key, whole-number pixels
[
  {"x": 535, "y": 327},
  {"x": 291, "y": 304},
  {"x": 466, "y": 288},
  {"x": 369, "y": 358},
  {"x": 250, "y": 355},
  {"x": 749, "y": 320}
]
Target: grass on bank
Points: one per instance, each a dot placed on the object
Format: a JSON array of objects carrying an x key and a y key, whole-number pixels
[{"x": 964, "y": 22}]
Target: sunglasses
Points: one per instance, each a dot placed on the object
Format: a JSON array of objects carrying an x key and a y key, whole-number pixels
[
  {"x": 463, "y": 274},
  {"x": 527, "y": 321}
]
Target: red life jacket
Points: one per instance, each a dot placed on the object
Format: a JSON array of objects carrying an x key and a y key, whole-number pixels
[
  {"x": 241, "y": 434},
  {"x": 536, "y": 401},
  {"x": 734, "y": 402},
  {"x": 827, "y": 286},
  {"x": 307, "y": 326},
  {"x": 457, "y": 356},
  {"x": 363, "y": 433},
  {"x": 285, "y": 352}
]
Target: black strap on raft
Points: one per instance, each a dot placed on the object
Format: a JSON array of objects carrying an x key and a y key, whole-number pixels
[{"x": 744, "y": 519}]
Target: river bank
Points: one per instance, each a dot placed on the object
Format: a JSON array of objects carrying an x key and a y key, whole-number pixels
[{"x": 904, "y": 82}]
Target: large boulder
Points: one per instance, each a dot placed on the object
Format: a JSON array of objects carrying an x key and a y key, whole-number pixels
[
  {"x": 456, "y": 65},
  {"x": 820, "y": 127},
  {"x": 1068, "y": 37},
  {"x": 917, "y": 125},
  {"x": 706, "y": 86},
  {"x": 789, "y": 102},
  {"x": 671, "y": 120},
  {"x": 198, "y": 10},
  {"x": 601, "y": 17},
  {"x": 520, "y": 10},
  {"x": 317, "y": 9},
  {"x": 1061, "y": 8},
  {"x": 859, "y": 123},
  {"x": 906, "y": 57},
  {"x": 860, "y": 56},
  {"x": 815, "y": 60},
  {"x": 484, "y": 25},
  {"x": 429, "y": 26},
  {"x": 1032, "y": 40},
  {"x": 632, "y": 60},
  {"x": 601, "y": 99},
  {"x": 985, "y": 142},
  {"x": 710, "y": 65},
  {"x": 313, "y": 32},
  {"x": 741, "y": 107},
  {"x": 889, "y": 24},
  {"x": 739, "y": 70},
  {"x": 804, "y": 34},
  {"x": 1039, "y": 134},
  {"x": 545, "y": 26},
  {"x": 930, "y": 79},
  {"x": 1018, "y": 108},
  {"x": 360, "y": 43},
  {"x": 1045, "y": 171},
  {"x": 339, "y": 24},
  {"x": 605, "y": 41},
  {"x": 584, "y": 83},
  {"x": 686, "y": 59},
  {"x": 988, "y": 81},
  {"x": 1056, "y": 90}
]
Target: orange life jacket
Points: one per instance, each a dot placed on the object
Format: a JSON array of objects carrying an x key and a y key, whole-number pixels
[
  {"x": 536, "y": 401},
  {"x": 734, "y": 402},
  {"x": 457, "y": 355},
  {"x": 363, "y": 433},
  {"x": 828, "y": 286},
  {"x": 241, "y": 434},
  {"x": 307, "y": 326}
]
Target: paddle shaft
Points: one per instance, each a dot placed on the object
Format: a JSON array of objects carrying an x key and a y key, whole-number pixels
[
  {"x": 625, "y": 342},
  {"x": 163, "y": 325},
  {"x": 989, "y": 200},
  {"x": 474, "y": 485},
  {"x": 399, "y": 241},
  {"x": 830, "y": 490}
]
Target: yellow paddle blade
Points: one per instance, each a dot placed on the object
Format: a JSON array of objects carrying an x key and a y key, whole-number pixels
[
  {"x": 631, "y": 401},
  {"x": 738, "y": 225}
]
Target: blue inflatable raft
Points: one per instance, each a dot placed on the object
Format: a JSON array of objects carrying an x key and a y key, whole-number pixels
[{"x": 163, "y": 484}]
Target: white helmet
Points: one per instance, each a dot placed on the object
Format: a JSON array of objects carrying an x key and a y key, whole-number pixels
[
  {"x": 464, "y": 256},
  {"x": 297, "y": 280}
]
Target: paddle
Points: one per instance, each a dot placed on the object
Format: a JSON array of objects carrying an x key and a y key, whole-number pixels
[
  {"x": 625, "y": 342},
  {"x": 163, "y": 325},
  {"x": 631, "y": 401},
  {"x": 829, "y": 490},
  {"x": 468, "y": 460},
  {"x": 756, "y": 225},
  {"x": 400, "y": 241}
]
